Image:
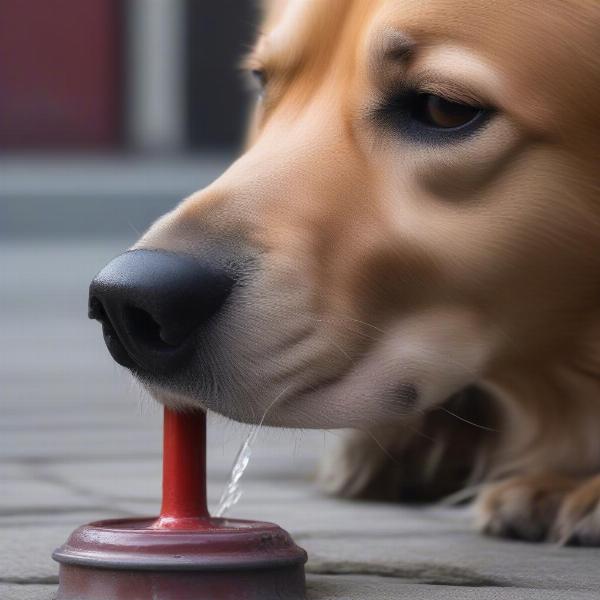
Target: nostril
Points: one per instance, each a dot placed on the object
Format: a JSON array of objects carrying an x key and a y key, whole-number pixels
[
  {"x": 96, "y": 310},
  {"x": 143, "y": 328}
]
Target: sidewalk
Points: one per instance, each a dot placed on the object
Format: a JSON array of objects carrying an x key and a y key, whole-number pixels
[{"x": 78, "y": 443}]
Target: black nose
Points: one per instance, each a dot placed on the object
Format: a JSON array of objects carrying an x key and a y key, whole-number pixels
[{"x": 150, "y": 302}]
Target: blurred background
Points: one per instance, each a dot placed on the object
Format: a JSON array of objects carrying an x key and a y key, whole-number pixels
[{"x": 113, "y": 110}]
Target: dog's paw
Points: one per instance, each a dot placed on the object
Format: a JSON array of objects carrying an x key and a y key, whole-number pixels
[
  {"x": 522, "y": 507},
  {"x": 421, "y": 460},
  {"x": 578, "y": 520},
  {"x": 418, "y": 463}
]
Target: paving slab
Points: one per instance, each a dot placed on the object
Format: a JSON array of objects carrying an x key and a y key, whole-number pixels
[
  {"x": 27, "y": 591},
  {"x": 379, "y": 588}
]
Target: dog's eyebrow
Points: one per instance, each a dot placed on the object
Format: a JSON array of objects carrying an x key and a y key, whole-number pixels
[{"x": 392, "y": 45}]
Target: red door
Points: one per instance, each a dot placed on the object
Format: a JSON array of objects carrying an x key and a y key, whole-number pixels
[{"x": 60, "y": 74}]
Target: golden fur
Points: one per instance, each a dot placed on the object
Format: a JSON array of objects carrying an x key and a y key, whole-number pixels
[{"x": 391, "y": 275}]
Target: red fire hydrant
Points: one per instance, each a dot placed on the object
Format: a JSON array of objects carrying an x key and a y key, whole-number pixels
[{"x": 184, "y": 554}]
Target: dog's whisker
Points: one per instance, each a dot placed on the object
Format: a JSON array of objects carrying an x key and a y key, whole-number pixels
[
  {"x": 418, "y": 432},
  {"x": 342, "y": 351},
  {"x": 341, "y": 322},
  {"x": 479, "y": 426},
  {"x": 382, "y": 447},
  {"x": 134, "y": 228}
]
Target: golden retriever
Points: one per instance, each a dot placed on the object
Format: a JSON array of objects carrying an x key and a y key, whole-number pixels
[{"x": 412, "y": 240}]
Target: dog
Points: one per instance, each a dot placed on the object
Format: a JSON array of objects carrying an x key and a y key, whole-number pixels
[{"x": 408, "y": 248}]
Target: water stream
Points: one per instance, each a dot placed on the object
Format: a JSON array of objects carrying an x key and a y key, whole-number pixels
[{"x": 233, "y": 491}]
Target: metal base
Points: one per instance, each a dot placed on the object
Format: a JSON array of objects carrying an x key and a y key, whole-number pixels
[{"x": 131, "y": 559}]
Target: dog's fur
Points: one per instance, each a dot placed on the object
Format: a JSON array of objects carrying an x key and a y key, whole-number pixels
[{"x": 441, "y": 299}]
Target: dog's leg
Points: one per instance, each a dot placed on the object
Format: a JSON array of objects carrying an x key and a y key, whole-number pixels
[{"x": 418, "y": 461}]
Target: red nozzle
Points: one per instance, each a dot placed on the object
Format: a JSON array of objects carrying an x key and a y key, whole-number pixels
[{"x": 184, "y": 472}]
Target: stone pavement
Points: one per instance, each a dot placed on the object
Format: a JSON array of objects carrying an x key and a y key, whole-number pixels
[{"x": 79, "y": 442}]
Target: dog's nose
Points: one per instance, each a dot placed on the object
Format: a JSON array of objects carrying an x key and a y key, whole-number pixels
[{"x": 150, "y": 302}]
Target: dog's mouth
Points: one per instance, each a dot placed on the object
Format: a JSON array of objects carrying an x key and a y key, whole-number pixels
[{"x": 356, "y": 393}]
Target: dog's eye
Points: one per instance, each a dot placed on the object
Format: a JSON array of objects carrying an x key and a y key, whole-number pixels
[
  {"x": 436, "y": 111},
  {"x": 428, "y": 118}
]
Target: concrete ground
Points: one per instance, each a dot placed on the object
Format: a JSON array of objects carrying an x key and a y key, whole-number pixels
[{"x": 79, "y": 442}]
